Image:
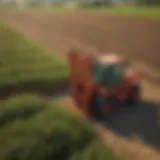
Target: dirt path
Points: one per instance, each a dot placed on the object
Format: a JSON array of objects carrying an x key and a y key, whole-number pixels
[{"x": 137, "y": 39}]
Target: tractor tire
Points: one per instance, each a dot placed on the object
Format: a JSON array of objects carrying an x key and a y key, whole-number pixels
[
  {"x": 95, "y": 111},
  {"x": 134, "y": 95}
]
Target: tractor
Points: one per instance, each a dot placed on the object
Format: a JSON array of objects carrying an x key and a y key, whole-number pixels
[{"x": 101, "y": 84}]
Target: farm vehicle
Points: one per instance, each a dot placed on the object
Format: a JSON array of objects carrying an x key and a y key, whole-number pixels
[{"x": 102, "y": 84}]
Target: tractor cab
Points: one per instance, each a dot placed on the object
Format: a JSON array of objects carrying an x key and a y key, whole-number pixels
[{"x": 108, "y": 70}]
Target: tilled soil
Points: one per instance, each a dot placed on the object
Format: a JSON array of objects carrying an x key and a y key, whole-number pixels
[{"x": 136, "y": 38}]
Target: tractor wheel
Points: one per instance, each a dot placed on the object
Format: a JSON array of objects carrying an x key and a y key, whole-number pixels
[
  {"x": 100, "y": 111},
  {"x": 95, "y": 109},
  {"x": 134, "y": 95}
]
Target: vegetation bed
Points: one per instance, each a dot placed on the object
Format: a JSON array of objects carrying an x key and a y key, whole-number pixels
[
  {"x": 24, "y": 66},
  {"x": 50, "y": 132}
]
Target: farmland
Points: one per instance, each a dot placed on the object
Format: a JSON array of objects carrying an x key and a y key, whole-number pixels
[
  {"x": 133, "y": 11},
  {"x": 31, "y": 128},
  {"x": 24, "y": 66},
  {"x": 137, "y": 39}
]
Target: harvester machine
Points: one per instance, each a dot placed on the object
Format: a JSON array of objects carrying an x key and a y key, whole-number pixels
[{"x": 103, "y": 83}]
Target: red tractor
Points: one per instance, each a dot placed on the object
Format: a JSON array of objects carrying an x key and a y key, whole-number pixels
[{"x": 101, "y": 84}]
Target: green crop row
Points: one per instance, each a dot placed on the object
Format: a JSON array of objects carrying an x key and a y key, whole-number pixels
[
  {"x": 20, "y": 107},
  {"x": 22, "y": 61},
  {"x": 16, "y": 75},
  {"x": 35, "y": 128}
]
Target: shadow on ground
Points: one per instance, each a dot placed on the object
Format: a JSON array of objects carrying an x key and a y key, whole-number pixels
[
  {"x": 141, "y": 120},
  {"x": 54, "y": 89}
]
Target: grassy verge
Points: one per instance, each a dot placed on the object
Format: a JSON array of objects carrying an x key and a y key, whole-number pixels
[
  {"x": 153, "y": 12},
  {"x": 24, "y": 66},
  {"x": 138, "y": 11},
  {"x": 52, "y": 132}
]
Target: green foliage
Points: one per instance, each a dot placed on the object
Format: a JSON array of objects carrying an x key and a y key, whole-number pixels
[
  {"x": 21, "y": 107},
  {"x": 134, "y": 10},
  {"x": 55, "y": 133},
  {"x": 94, "y": 150},
  {"x": 24, "y": 62},
  {"x": 148, "y": 2},
  {"x": 96, "y": 4}
]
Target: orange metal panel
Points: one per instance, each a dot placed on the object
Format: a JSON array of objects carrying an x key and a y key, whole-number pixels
[{"x": 81, "y": 74}]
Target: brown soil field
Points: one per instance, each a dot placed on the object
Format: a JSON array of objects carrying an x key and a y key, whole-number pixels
[{"x": 135, "y": 38}]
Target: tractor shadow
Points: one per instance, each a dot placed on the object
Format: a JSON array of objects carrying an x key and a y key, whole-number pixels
[{"x": 141, "y": 120}]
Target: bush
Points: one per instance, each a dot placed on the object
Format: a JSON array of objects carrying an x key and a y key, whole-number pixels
[{"x": 55, "y": 133}]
